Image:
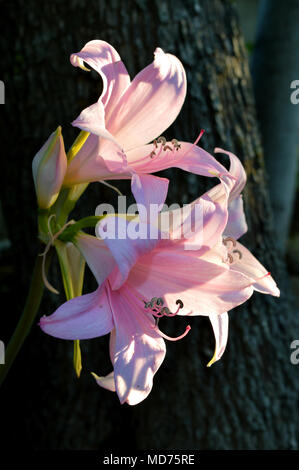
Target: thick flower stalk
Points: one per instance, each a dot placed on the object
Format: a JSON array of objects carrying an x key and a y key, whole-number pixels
[{"x": 143, "y": 279}]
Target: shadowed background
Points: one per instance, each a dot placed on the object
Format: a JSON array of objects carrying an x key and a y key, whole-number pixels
[{"x": 248, "y": 400}]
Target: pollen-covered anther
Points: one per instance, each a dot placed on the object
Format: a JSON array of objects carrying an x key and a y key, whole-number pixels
[
  {"x": 229, "y": 239},
  {"x": 156, "y": 306},
  {"x": 238, "y": 252},
  {"x": 161, "y": 140},
  {"x": 230, "y": 258},
  {"x": 233, "y": 255},
  {"x": 164, "y": 145},
  {"x": 176, "y": 144}
]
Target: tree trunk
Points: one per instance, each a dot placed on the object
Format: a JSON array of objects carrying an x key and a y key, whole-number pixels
[
  {"x": 274, "y": 69},
  {"x": 249, "y": 399}
]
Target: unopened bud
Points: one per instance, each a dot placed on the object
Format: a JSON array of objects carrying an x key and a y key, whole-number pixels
[{"x": 48, "y": 168}]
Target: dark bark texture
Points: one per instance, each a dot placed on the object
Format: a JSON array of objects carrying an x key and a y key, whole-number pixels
[
  {"x": 249, "y": 400},
  {"x": 278, "y": 116}
]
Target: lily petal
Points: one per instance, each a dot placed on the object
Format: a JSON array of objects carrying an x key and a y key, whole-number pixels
[
  {"x": 151, "y": 103},
  {"x": 96, "y": 255},
  {"x": 149, "y": 190},
  {"x": 126, "y": 243},
  {"x": 253, "y": 269},
  {"x": 92, "y": 119},
  {"x": 204, "y": 284},
  {"x": 139, "y": 349},
  {"x": 88, "y": 165},
  {"x": 236, "y": 223},
  {"x": 105, "y": 60},
  {"x": 220, "y": 329},
  {"x": 237, "y": 170},
  {"x": 106, "y": 382},
  {"x": 188, "y": 157},
  {"x": 199, "y": 225},
  {"x": 84, "y": 317}
]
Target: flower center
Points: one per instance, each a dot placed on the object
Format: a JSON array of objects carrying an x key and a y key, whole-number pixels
[
  {"x": 156, "y": 307},
  {"x": 233, "y": 255},
  {"x": 164, "y": 146}
]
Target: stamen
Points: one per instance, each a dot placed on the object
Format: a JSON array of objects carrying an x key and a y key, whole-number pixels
[
  {"x": 157, "y": 309},
  {"x": 230, "y": 258},
  {"x": 231, "y": 253},
  {"x": 170, "y": 338},
  {"x": 262, "y": 277},
  {"x": 199, "y": 136},
  {"x": 161, "y": 140},
  {"x": 229, "y": 239},
  {"x": 176, "y": 144},
  {"x": 164, "y": 311},
  {"x": 193, "y": 145},
  {"x": 258, "y": 279},
  {"x": 239, "y": 253}
]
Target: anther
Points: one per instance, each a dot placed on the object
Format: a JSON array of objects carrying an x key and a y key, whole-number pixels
[
  {"x": 161, "y": 140},
  {"x": 176, "y": 144},
  {"x": 230, "y": 257},
  {"x": 238, "y": 252},
  {"x": 157, "y": 309},
  {"x": 229, "y": 239}
]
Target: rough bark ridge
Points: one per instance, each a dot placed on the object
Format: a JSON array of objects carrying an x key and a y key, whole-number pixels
[{"x": 248, "y": 400}]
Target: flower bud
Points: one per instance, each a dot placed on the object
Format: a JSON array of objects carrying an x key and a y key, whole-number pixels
[{"x": 48, "y": 168}]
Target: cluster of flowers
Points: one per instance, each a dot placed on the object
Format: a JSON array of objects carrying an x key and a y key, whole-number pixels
[{"x": 141, "y": 280}]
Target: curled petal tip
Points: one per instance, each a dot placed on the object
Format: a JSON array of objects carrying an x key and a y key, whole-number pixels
[
  {"x": 95, "y": 376},
  {"x": 78, "y": 62},
  {"x": 212, "y": 361},
  {"x": 158, "y": 50}
]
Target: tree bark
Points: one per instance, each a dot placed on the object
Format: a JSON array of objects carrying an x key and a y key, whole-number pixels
[
  {"x": 248, "y": 400},
  {"x": 274, "y": 68}
]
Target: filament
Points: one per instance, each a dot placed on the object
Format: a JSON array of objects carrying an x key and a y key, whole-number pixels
[{"x": 170, "y": 338}]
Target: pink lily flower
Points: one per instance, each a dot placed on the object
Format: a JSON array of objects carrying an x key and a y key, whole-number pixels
[
  {"x": 129, "y": 115},
  {"x": 144, "y": 279},
  {"x": 239, "y": 258}
]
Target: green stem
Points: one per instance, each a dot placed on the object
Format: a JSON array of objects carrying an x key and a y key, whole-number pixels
[
  {"x": 31, "y": 308},
  {"x": 72, "y": 267},
  {"x": 70, "y": 232}
]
